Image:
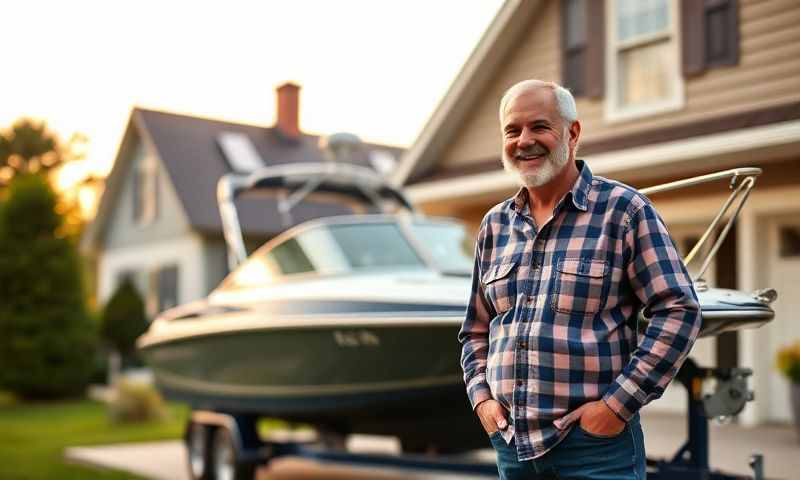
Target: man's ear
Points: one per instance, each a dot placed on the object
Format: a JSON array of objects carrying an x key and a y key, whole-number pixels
[{"x": 574, "y": 134}]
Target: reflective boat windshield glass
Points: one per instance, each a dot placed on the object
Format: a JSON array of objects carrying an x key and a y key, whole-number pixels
[
  {"x": 329, "y": 249},
  {"x": 448, "y": 245}
]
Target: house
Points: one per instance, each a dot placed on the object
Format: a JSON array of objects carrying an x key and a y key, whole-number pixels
[
  {"x": 665, "y": 89},
  {"x": 158, "y": 220}
]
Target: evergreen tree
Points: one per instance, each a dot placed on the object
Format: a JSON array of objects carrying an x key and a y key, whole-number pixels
[
  {"x": 47, "y": 338},
  {"x": 124, "y": 319}
]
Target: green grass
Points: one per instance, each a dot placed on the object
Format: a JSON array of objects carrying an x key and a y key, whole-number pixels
[{"x": 33, "y": 437}]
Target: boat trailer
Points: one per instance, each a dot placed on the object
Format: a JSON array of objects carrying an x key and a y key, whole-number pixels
[{"x": 226, "y": 446}]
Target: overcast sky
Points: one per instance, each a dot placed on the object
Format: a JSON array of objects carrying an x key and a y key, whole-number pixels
[{"x": 372, "y": 67}]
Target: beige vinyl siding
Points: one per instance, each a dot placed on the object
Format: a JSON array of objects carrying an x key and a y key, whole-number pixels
[
  {"x": 536, "y": 57},
  {"x": 768, "y": 74}
]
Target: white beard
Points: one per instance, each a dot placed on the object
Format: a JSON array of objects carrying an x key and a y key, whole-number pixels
[{"x": 553, "y": 164}]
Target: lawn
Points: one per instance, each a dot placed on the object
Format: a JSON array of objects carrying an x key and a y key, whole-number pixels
[{"x": 33, "y": 438}]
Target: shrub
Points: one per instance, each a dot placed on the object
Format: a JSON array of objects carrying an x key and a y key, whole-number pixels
[
  {"x": 47, "y": 338},
  {"x": 788, "y": 361},
  {"x": 124, "y": 319},
  {"x": 137, "y": 402}
]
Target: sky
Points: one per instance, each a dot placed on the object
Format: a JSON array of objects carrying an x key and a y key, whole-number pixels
[{"x": 375, "y": 68}]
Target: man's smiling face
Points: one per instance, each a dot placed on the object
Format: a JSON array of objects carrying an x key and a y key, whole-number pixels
[{"x": 535, "y": 138}]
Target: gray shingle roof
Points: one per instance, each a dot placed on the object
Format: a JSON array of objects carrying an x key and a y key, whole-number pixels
[{"x": 189, "y": 150}]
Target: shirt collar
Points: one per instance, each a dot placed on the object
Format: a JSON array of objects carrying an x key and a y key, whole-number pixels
[{"x": 579, "y": 193}]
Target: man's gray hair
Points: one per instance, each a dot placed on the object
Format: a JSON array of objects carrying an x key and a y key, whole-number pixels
[{"x": 564, "y": 99}]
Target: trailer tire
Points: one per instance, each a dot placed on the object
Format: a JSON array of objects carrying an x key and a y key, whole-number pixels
[
  {"x": 198, "y": 451},
  {"x": 225, "y": 460}
]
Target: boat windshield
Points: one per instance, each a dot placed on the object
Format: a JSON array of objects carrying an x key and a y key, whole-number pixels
[
  {"x": 447, "y": 244},
  {"x": 329, "y": 250}
]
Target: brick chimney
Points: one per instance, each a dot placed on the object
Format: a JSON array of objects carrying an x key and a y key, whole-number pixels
[{"x": 288, "y": 109}]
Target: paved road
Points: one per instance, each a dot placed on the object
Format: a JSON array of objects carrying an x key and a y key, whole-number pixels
[{"x": 731, "y": 447}]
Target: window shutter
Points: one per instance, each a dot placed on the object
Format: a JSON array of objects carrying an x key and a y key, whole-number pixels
[
  {"x": 595, "y": 48},
  {"x": 722, "y": 32},
  {"x": 573, "y": 45},
  {"x": 710, "y": 34},
  {"x": 693, "y": 41},
  {"x": 167, "y": 284}
]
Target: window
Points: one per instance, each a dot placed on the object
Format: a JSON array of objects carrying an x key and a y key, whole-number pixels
[
  {"x": 643, "y": 67},
  {"x": 162, "y": 290},
  {"x": 789, "y": 241},
  {"x": 145, "y": 191}
]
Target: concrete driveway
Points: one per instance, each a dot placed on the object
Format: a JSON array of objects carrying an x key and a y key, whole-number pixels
[{"x": 731, "y": 447}]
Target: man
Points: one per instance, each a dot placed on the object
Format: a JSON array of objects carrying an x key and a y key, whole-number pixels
[{"x": 550, "y": 353}]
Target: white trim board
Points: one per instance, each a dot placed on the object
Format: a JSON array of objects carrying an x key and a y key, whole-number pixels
[{"x": 667, "y": 158}]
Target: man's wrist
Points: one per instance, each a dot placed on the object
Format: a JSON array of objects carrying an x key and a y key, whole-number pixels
[{"x": 612, "y": 411}]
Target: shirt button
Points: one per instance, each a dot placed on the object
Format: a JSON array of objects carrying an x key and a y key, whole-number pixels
[
  {"x": 520, "y": 382},
  {"x": 531, "y": 300},
  {"x": 523, "y": 344}
]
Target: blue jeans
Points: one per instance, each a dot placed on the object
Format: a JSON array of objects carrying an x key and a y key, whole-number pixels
[{"x": 579, "y": 456}]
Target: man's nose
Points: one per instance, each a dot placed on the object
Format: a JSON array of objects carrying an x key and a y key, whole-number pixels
[{"x": 526, "y": 138}]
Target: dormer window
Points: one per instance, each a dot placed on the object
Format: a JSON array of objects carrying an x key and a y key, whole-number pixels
[{"x": 145, "y": 191}]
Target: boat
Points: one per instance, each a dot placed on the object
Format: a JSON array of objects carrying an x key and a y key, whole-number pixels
[
  {"x": 345, "y": 323},
  {"x": 350, "y": 323}
]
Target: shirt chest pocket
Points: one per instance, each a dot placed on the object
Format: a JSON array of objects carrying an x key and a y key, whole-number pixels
[
  {"x": 580, "y": 286},
  {"x": 499, "y": 285}
]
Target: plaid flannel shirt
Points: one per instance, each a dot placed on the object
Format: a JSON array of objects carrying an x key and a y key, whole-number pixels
[{"x": 551, "y": 322}]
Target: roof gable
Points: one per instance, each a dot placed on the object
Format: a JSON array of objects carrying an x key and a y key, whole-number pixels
[{"x": 479, "y": 70}]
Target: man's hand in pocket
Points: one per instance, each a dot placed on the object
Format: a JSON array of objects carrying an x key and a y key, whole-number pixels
[
  {"x": 598, "y": 419},
  {"x": 492, "y": 416}
]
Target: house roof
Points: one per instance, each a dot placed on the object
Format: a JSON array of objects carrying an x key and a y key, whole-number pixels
[
  {"x": 479, "y": 70},
  {"x": 188, "y": 149}
]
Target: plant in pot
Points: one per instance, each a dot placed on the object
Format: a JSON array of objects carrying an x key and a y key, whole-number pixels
[{"x": 788, "y": 362}]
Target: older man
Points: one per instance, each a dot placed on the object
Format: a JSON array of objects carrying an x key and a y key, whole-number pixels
[{"x": 550, "y": 353}]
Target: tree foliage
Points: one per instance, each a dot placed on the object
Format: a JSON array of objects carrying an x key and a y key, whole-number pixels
[
  {"x": 124, "y": 319},
  {"x": 47, "y": 338},
  {"x": 29, "y": 147}
]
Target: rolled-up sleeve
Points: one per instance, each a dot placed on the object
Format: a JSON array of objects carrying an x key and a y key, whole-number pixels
[
  {"x": 474, "y": 334},
  {"x": 662, "y": 284}
]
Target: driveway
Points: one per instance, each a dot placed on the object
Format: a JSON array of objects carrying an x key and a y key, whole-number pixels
[{"x": 731, "y": 447}]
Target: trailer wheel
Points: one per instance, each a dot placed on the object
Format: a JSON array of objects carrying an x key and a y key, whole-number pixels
[
  {"x": 224, "y": 459},
  {"x": 198, "y": 443}
]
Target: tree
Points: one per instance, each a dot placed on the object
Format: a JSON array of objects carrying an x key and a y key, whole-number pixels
[
  {"x": 124, "y": 319},
  {"x": 29, "y": 147},
  {"x": 47, "y": 339}
]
